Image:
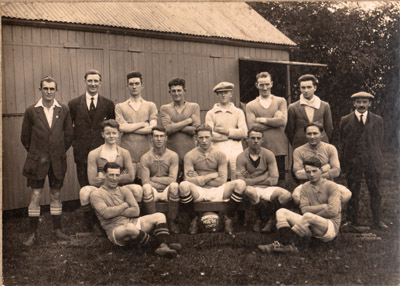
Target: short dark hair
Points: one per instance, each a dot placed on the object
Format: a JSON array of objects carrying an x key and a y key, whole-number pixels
[
  {"x": 263, "y": 75},
  {"x": 158, "y": 128},
  {"x": 111, "y": 165},
  {"x": 133, "y": 74},
  {"x": 255, "y": 129},
  {"x": 306, "y": 77},
  {"x": 316, "y": 124},
  {"x": 177, "y": 81},
  {"x": 92, "y": 71},
  {"x": 203, "y": 127},
  {"x": 312, "y": 161},
  {"x": 110, "y": 123},
  {"x": 47, "y": 79}
]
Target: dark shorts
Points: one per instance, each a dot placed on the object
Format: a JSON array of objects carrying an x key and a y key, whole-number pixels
[{"x": 54, "y": 183}]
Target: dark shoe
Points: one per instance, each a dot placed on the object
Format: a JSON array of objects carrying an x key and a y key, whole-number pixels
[
  {"x": 165, "y": 251},
  {"x": 381, "y": 225},
  {"x": 173, "y": 227},
  {"x": 228, "y": 225},
  {"x": 268, "y": 226},
  {"x": 60, "y": 235},
  {"x": 31, "y": 240},
  {"x": 175, "y": 246},
  {"x": 257, "y": 226},
  {"x": 193, "y": 228}
]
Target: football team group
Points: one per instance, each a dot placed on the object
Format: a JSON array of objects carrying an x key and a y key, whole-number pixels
[{"x": 131, "y": 154}]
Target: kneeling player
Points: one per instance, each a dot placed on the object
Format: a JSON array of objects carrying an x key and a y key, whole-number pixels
[
  {"x": 320, "y": 204},
  {"x": 257, "y": 167},
  {"x": 206, "y": 179},
  {"x": 159, "y": 171},
  {"x": 118, "y": 213}
]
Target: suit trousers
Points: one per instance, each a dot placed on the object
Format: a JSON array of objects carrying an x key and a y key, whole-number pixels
[{"x": 81, "y": 170}]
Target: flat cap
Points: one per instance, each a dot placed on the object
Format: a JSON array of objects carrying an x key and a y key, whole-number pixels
[
  {"x": 223, "y": 86},
  {"x": 362, "y": 94}
]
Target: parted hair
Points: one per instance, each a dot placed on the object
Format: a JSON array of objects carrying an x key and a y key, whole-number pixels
[
  {"x": 177, "y": 81},
  {"x": 255, "y": 129},
  {"x": 306, "y": 77},
  {"x": 263, "y": 75},
  {"x": 316, "y": 124},
  {"x": 92, "y": 71},
  {"x": 312, "y": 161},
  {"x": 134, "y": 74},
  {"x": 47, "y": 79},
  {"x": 203, "y": 127},
  {"x": 111, "y": 165},
  {"x": 110, "y": 123},
  {"x": 158, "y": 128}
]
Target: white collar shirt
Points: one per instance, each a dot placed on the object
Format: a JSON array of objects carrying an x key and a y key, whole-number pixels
[
  {"x": 310, "y": 105},
  {"x": 89, "y": 99},
  {"x": 364, "y": 116},
  {"x": 48, "y": 112}
]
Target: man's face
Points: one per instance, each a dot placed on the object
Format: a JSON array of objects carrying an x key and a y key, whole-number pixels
[
  {"x": 313, "y": 135},
  {"x": 362, "y": 104},
  {"x": 159, "y": 138},
  {"x": 307, "y": 88},
  {"x": 313, "y": 173},
  {"x": 204, "y": 139},
  {"x": 135, "y": 86},
  {"x": 264, "y": 85},
  {"x": 224, "y": 96},
  {"x": 111, "y": 178},
  {"x": 110, "y": 135},
  {"x": 255, "y": 140},
  {"x": 48, "y": 91},
  {"x": 92, "y": 84},
  {"x": 177, "y": 93}
]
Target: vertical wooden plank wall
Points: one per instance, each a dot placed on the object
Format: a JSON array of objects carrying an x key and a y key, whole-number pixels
[{"x": 29, "y": 53}]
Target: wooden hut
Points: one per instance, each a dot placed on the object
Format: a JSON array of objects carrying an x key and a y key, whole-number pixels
[{"x": 201, "y": 42}]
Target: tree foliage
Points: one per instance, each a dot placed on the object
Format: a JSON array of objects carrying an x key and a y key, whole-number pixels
[{"x": 360, "y": 47}]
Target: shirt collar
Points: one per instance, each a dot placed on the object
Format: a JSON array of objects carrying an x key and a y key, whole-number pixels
[
  {"x": 315, "y": 102},
  {"x": 89, "y": 97},
  {"x": 40, "y": 104},
  {"x": 101, "y": 155},
  {"x": 230, "y": 109},
  {"x": 358, "y": 114}
]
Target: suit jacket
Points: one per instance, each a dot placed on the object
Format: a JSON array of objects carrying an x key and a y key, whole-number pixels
[
  {"x": 87, "y": 133},
  {"x": 297, "y": 120},
  {"x": 348, "y": 141},
  {"x": 46, "y": 145}
]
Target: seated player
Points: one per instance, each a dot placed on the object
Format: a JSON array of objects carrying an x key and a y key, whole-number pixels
[
  {"x": 206, "y": 171},
  {"x": 257, "y": 167},
  {"x": 97, "y": 158},
  {"x": 325, "y": 152},
  {"x": 321, "y": 213},
  {"x": 118, "y": 213},
  {"x": 159, "y": 171}
]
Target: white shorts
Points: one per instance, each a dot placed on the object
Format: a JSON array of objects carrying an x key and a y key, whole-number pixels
[
  {"x": 160, "y": 196},
  {"x": 211, "y": 195},
  {"x": 330, "y": 233},
  {"x": 265, "y": 193},
  {"x": 135, "y": 221}
]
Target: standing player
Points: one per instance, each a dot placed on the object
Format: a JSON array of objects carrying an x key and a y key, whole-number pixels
[
  {"x": 159, "y": 169},
  {"x": 180, "y": 119},
  {"x": 269, "y": 113},
  {"x": 119, "y": 212},
  {"x": 228, "y": 124},
  {"x": 309, "y": 108},
  {"x": 321, "y": 213},
  {"x": 88, "y": 112},
  {"x": 361, "y": 138},
  {"x": 205, "y": 179},
  {"x": 257, "y": 167},
  {"x": 136, "y": 118},
  {"x": 46, "y": 135}
]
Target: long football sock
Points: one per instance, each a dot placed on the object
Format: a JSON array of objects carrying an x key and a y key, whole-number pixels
[{"x": 233, "y": 204}]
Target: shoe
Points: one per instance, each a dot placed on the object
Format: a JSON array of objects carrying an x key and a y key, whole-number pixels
[
  {"x": 193, "y": 229},
  {"x": 165, "y": 251},
  {"x": 228, "y": 225},
  {"x": 268, "y": 226},
  {"x": 257, "y": 226},
  {"x": 173, "y": 227},
  {"x": 31, "y": 240},
  {"x": 60, "y": 235},
  {"x": 381, "y": 225},
  {"x": 276, "y": 246},
  {"x": 175, "y": 246}
]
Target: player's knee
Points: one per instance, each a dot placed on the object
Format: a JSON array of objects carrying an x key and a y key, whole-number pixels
[
  {"x": 173, "y": 190},
  {"x": 308, "y": 218},
  {"x": 296, "y": 194},
  {"x": 282, "y": 213},
  {"x": 159, "y": 218},
  {"x": 252, "y": 195},
  {"x": 84, "y": 194},
  {"x": 184, "y": 188},
  {"x": 284, "y": 197},
  {"x": 147, "y": 190},
  {"x": 240, "y": 185},
  {"x": 131, "y": 229}
]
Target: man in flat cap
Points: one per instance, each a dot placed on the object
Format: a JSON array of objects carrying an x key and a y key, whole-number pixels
[
  {"x": 228, "y": 125},
  {"x": 309, "y": 108},
  {"x": 361, "y": 137}
]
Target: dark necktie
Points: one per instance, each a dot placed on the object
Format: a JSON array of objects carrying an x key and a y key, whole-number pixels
[
  {"x": 92, "y": 108},
  {"x": 361, "y": 120}
]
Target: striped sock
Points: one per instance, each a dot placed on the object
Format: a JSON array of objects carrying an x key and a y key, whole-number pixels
[
  {"x": 142, "y": 239},
  {"x": 149, "y": 204},
  {"x": 55, "y": 210},
  {"x": 233, "y": 204},
  {"x": 162, "y": 233},
  {"x": 34, "y": 211},
  {"x": 188, "y": 206}
]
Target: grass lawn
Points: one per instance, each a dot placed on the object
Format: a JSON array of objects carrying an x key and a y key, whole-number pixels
[{"x": 207, "y": 259}]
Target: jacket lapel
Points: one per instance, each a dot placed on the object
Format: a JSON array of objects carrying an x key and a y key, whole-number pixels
[
  {"x": 42, "y": 116},
  {"x": 303, "y": 112},
  {"x": 56, "y": 116},
  {"x": 83, "y": 108},
  {"x": 99, "y": 111}
]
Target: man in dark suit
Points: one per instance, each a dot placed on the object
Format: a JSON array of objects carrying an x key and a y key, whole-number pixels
[
  {"x": 88, "y": 112},
  {"x": 46, "y": 135},
  {"x": 361, "y": 138},
  {"x": 309, "y": 108}
]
